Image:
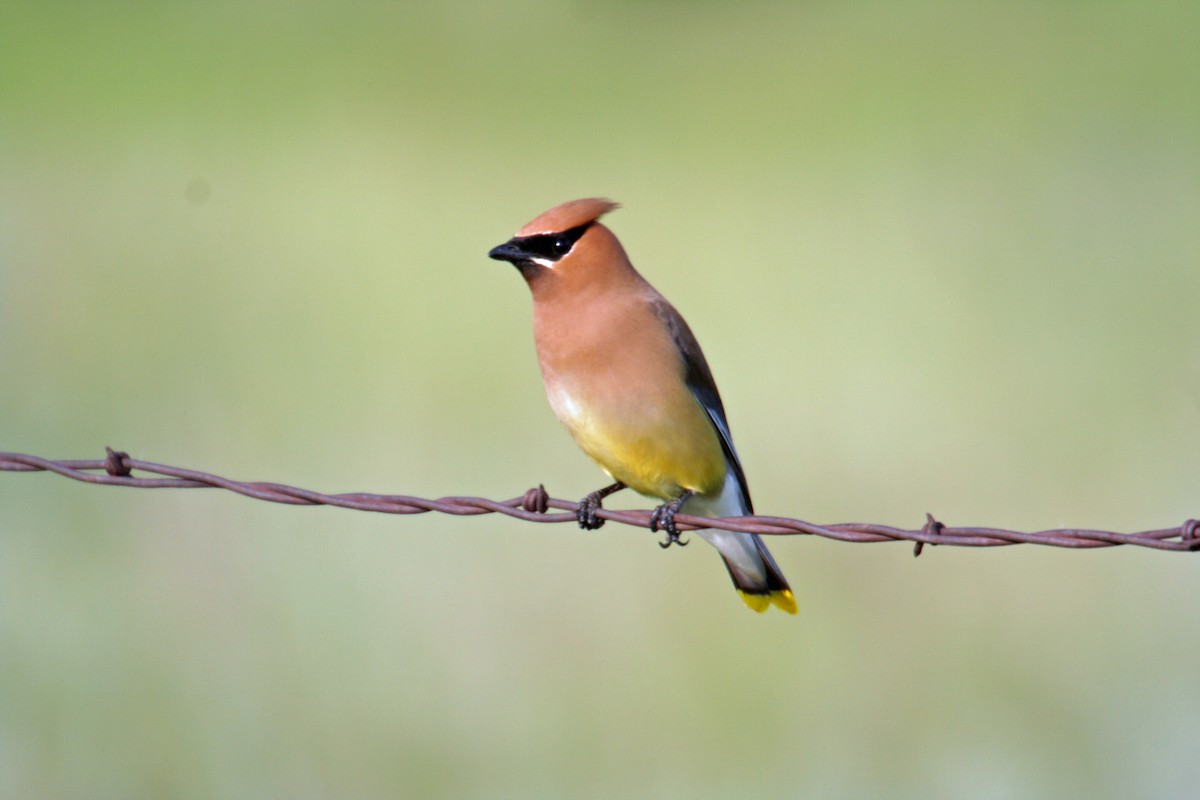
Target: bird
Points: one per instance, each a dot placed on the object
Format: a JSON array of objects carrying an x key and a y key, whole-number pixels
[{"x": 626, "y": 377}]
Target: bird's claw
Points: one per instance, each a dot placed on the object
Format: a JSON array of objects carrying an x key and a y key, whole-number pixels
[
  {"x": 672, "y": 538},
  {"x": 586, "y": 512},
  {"x": 588, "y": 506},
  {"x": 663, "y": 519}
]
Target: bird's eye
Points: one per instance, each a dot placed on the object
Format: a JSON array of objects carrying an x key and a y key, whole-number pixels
[{"x": 562, "y": 246}]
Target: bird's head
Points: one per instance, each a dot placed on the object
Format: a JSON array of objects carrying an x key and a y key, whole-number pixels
[{"x": 566, "y": 240}]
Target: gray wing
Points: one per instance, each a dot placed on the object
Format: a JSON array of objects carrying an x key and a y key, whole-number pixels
[{"x": 699, "y": 379}]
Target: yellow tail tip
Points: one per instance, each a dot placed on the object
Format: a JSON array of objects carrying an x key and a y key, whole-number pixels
[{"x": 784, "y": 599}]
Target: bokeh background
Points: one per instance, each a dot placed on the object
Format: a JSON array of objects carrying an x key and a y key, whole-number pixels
[{"x": 941, "y": 257}]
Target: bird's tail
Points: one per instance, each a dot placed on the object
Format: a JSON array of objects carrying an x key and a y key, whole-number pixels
[
  {"x": 760, "y": 595},
  {"x": 755, "y": 574}
]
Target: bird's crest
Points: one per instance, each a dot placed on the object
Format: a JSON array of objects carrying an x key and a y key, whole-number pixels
[{"x": 569, "y": 215}]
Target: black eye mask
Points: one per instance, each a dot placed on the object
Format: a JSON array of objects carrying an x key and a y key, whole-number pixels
[{"x": 550, "y": 246}]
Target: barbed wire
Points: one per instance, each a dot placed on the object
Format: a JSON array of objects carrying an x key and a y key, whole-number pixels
[{"x": 534, "y": 506}]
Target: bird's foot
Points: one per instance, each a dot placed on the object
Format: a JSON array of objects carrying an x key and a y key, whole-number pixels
[
  {"x": 586, "y": 513},
  {"x": 663, "y": 519},
  {"x": 588, "y": 506}
]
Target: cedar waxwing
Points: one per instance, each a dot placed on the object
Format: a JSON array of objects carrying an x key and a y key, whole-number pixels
[{"x": 626, "y": 377}]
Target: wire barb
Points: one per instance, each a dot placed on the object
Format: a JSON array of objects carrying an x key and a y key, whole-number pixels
[
  {"x": 536, "y": 500},
  {"x": 117, "y": 469},
  {"x": 932, "y": 528},
  {"x": 117, "y": 463},
  {"x": 1189, "y": 535}
]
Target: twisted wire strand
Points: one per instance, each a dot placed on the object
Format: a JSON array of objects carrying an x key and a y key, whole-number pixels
[{"x": 534, "y": 506}]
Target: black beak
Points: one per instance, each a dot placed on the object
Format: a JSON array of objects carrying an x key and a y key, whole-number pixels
[{"x": 509, "y": 251}]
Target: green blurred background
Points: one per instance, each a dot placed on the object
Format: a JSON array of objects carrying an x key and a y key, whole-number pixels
[{"x": 941, "y": 258}]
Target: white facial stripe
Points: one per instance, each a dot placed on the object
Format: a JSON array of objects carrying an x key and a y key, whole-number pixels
[{"x": 543, "y": 262}]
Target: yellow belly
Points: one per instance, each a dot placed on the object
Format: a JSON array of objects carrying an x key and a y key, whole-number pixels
[{"x": 658, "y": 452}]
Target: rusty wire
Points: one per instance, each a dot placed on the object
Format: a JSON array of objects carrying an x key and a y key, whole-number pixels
[{"x": 535, "y": 505}]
